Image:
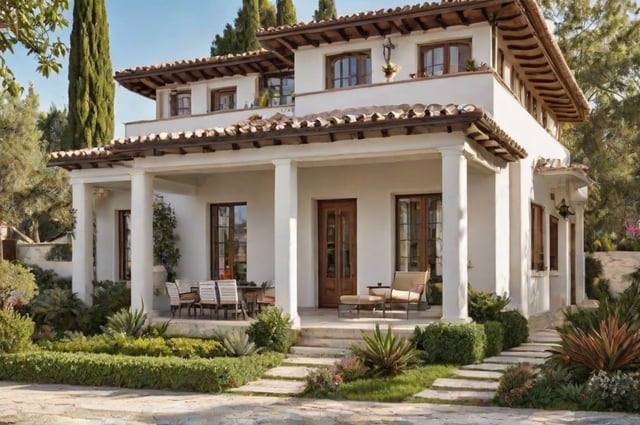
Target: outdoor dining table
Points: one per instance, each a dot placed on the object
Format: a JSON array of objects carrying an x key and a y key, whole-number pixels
[{"x": 251, "y": 302}]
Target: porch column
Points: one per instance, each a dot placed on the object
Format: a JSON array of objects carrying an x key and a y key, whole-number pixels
[
  {"x": 454, "y": 235},
  {"x": 580, "y": 289},
  {"x": 562, "y": 297},
  {"x": 286, "y": 237},
  {"x": 82, "y": 255},
  {"x": 141, "y": 240}
]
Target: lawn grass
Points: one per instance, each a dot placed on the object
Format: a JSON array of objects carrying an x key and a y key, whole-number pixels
[{"x": 396, "y": 388}]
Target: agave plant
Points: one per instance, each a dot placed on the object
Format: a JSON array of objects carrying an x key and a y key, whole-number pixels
[
  {"x": 126, "y": 323},
  {"x": 385, "y": 355},
  {"x": 237, "y": 344},
  {"x": 608, "y": 347}
]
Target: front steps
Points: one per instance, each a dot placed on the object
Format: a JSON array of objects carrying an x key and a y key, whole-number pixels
[{"x": 478, "y": 382}]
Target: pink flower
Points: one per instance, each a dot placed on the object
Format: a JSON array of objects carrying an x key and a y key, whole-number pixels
[{"x": 337, "y": 379}]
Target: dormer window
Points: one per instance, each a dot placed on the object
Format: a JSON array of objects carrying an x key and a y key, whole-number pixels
[
  {"x": 444, "y": 58},
  {"x": 180, "y": 103},
  {"x": 223, "y": 99},
  {"x": 348, "y": 69}
]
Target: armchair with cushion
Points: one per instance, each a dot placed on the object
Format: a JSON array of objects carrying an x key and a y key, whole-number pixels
[{"x": 407, "y": 288}]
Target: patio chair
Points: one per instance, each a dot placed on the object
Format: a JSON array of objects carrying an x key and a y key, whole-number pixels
[
  {"x": 178, "y": 300},
  {"x": 407, "y": 288},
  {"x": 208, "y": 296},
  {"x": 228, "y": 291},
  {"x": 268, "y": 295}
]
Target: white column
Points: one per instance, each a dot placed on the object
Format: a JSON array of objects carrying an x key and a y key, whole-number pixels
[
  {"x": 82, "y": 255},
  {"x": 141, "y": 240},
  {"x": 286, "y": 237},
  {"x": 564, "y": 266},
  {"x": 454, "y": 235},
  {"x": 580, "y": 290}
]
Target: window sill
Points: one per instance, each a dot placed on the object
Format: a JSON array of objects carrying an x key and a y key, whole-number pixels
[{"x": 539, "y": 273}]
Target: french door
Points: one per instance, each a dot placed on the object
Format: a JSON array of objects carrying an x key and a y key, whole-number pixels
[{"x": 336, "y": 250}]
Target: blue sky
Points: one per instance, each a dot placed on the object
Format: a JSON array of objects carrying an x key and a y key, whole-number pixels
[{"x": 146, "y": 32}]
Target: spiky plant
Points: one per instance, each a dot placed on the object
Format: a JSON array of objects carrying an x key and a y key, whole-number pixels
[
  {"x": 385, "y": 355},
  {"x": 126, "y": 323},
  {"x": 237, "y": 344},
  {"x": 608, "y": 347}
]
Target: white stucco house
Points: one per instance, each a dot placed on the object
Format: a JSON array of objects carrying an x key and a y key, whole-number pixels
[{"x": 302, "y": 163}]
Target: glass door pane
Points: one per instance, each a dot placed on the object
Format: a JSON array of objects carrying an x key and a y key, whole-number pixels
[
  {"x": 345, "y": 232},
  {"x": 330, "y": 270}
]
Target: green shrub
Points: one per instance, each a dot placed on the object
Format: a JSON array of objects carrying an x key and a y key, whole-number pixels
[
  {"x": 169, "y": 373},
  {"x": 237, "y": 343},
  {"x": 484, "y": 306},
  {"x": 592, "y": 273},
  {"x": 155, "y": 347},
  {"x": 271, "y": 330},
  {"x": 350, "y": 369},
  {"x": 126, "y": 322},
  {"x": 435, "y": 293},
  {"x": 514, "y": 384},
  {"x": 17, "y": 285},
  {"x": 59, "y": 309},
  {"x": 618, "y": 391},
  {"x": 385, "y": 356},
  {"x": 495, "y": 337},
  {"x": 322, "y": 382},
  {"x": 48, "y": 279},
  {"x": 516, "y": 329},
  {"x": 60, "y": 252},
  {"x": 15, "y": 332},
  {"x": 451, "y": 343}
]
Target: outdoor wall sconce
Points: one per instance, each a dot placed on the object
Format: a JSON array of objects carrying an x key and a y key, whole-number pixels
[
  {"x": 387, "y": 45},
  {"x": 565, "y": 210}
]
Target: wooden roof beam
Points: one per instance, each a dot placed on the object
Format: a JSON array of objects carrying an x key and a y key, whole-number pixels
[
  {"x": 399, "y": 28},
  {"x": 185, "y": 75},
  {"x": 288, "y": 45},
  {"x": 441, "y": 21},
  {"x": 507, "y": 37},
  {"x": 506, "y": 28},
  {"x": 343, "y": 35},
  {"x": 175, "y": 79},
  {"x": 247, "y": 69},
  {"x": 363, "y": 33},
  {"x": 149, "y": 82},
  {"x": 283, "y": 58},
  {"x": 381, "y": 33},
  {"x": 408, "y": 24},
  {"x": 314, "y": 43},
  {"x": 529, "y": 57},
  {"x": 421, "y": 24}
]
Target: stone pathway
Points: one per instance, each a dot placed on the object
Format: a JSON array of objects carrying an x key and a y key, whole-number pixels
[{"x": 479, "y": 382}]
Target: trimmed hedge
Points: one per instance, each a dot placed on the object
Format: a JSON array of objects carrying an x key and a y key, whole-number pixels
[
  {"x": 170, "y": 373},
  {"x": 516, "y": 329},
  {"x": 451, "y": 343},
  {"x": 155, "y": 347},
  {"x": 15, "y": 331},
  {"x": 495, "y": 338}
]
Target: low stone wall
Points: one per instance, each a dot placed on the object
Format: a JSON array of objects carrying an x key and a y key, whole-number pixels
[
  {"x": 617, "y": 265},
  {"x": 36, "y": 253}
]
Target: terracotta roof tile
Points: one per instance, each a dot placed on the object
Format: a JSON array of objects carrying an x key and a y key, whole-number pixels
[{"x": 555, "y": 164}]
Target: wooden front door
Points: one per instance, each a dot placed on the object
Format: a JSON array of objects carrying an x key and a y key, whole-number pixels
[{"x": 336, "y": 250}]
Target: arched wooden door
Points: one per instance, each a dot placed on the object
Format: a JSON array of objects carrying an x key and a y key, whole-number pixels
[{"x": 336, "y": 250}]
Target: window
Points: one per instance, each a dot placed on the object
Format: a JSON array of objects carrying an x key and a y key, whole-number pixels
[
  {"x": 223, "y": 99},
  {"x": 349, "y": 69},
  {"x": 279, "y": 90},
  {"x": 447, "y": 58},
  {"x": 419, "y": 233},
  {"x": 553, "y": 243},
  {"x": 229, "y": 241},
  {"x": 537, "y": 245},
  {"x": 180, "y": 103},
  {"x": 124, "y": 245}
]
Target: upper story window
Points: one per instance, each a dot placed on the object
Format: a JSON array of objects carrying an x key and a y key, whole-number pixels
[
  {"x": 180, "y": 103},
  {"x": 444, "y": 58},
  {"x": 223, "y": 99},
  {"x": 279, "y": 90},
  {"x": 348, "y": 69}
]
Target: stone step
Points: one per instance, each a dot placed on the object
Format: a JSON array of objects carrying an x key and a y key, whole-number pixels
[
  {"x": 288, "y": 372},
  {"x": 514, "y": 360},
  {"x": 447, "y": 395},
  {"x": 491, "y": 367},
  {"x": 544, "y": 339},
  {"x": 329, "y": 342},
  {"x": 478, "y": 374},
  {"x": 530, "y": 346},
  {"x": 319, "y": 351},
  {"x": 464, "y": 384},
  {"x": 536, "y": 354},
  {"x": 348, "y": 333},
  {"x": 309, "y": 361},
  {"x": 271, "y": 386}
]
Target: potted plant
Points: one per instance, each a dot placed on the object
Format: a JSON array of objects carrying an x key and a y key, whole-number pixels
[
  {"x": 389, "y": 69},
  {"x": 471, "y": 65}
]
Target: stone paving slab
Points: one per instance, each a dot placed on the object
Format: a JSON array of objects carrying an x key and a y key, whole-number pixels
[
  {"x": 464, "y": 384},
  {"x": 319, "y": 351},
  {"x": 478, "y": 374},
  {"x": 291, "y": 372},
  {"x": 545, "y": 339},
  {"x": 451, "y": 395},
  {"x": 271, "y": 386},
  {"x": 514, "y": 360},
  {"x": 494, "y": 367},
  {"x": 530, "y": 346},
  {"x": 313, "y": 361},
  {"x": 536, "y": 354}
]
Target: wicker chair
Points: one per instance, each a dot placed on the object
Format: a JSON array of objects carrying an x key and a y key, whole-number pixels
[{"x": 178, "y": 300}]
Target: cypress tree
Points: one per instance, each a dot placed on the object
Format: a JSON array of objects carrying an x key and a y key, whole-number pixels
[
  {"x": 286, "y": 13},
  {"x": 91, "y": 87},
  {"x": 241, "y": 37},
  {"x": 267, "y": 14},
  {"x": 326, "y": 10}
]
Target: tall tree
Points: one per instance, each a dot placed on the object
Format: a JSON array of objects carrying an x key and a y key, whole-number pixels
[
  {"x": 599, "y": 40},
  {"x": 53, "y": 126},
  {"x": 326, "y": 11},
  {"x": 286, "y": 13},
  {"x": 91, "y": 86},
  {"x": 30, "y": 23},
  {"x": 241, "y": 37}
]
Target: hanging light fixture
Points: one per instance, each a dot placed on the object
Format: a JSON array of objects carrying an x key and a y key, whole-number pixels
[
  {"x": 565, "y": 210},
  {"x": 387, "y": 45}
]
